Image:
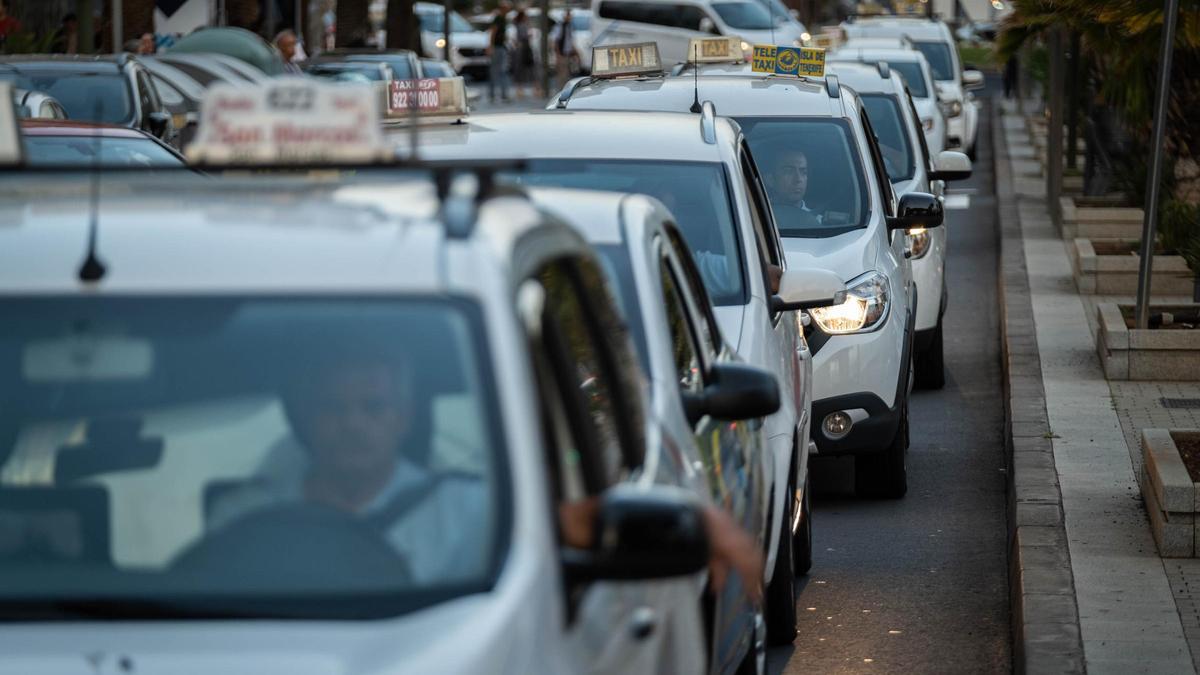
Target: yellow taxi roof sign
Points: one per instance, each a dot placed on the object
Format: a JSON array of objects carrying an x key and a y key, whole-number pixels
[
  {"x": 795, "y": 61},
  {"x": 289, "y": 120},
  {"x": 615, "y": 60},
  {"x": 427, "y": 97},
  {"x": 10, "y": 133},
  {"x": 910, "y": 7},
  {"x": 715, "y": 50}
]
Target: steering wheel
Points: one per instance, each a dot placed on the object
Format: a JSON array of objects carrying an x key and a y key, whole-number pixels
[{"x": 302, "y": 544}]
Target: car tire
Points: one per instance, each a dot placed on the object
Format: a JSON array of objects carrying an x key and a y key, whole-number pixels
[
  {"x": 803, "y": 542},
  {"x": 781, "y": 592},
  {"x": 884, "y": 475},
  {"x": 930, "y": 366}
]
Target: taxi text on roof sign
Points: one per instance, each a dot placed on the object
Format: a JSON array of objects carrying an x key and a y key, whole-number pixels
[
  {"x": 798, "y": 61},
  {"x": 289, "y": 120},
  {"x": 910, "y": 7},
  {"x": 427, "y": 96},
  {"x": 10, "y": 134},
  {"x": 625, "y": 59},
  {"x": 715, "y": 50}
]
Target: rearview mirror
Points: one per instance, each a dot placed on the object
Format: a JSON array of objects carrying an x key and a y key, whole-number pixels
[
  {"x": 642, "y": 534},
  {"x": 735, "y": 392},
  {"x": 972, "y": 79},
  {"x": 158, "y": 121},
  {"x": 806, "y": 289},
  {"x": 951, "y": 165},
  {"x": 917, "y": 209}
]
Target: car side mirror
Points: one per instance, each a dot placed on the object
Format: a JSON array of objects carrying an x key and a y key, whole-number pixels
[
  {"x": 806, "y": 289},
  {"x": 707, "y": 26},
  {"x": 735, "y": 391},
  {"x": 917, "y": 209},
  {"x": 158, "y": 122},
  {"x": 951, "y": 165},
  {"x": 972, "y": 79},
  {"x": 641, "y": 533}
]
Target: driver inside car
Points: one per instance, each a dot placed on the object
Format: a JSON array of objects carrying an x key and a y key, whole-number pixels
[{"x": 350, "y": 417}]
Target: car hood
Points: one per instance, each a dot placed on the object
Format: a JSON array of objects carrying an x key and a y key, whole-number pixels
[
  {"x": 847, "y": 255},
  {"x": 729, "y": 320},
  {"x": 472, "y": 39}
]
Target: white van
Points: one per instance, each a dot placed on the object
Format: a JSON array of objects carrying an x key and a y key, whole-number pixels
[{"x": 673, "y": 23}]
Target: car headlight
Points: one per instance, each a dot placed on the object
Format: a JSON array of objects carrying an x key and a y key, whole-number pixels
[
  {"x": 952, "y": 108},
  {"x": 918, "y": 242},
  {"x": 441, "y": 43},
  {"x": 746, "y": 47},
  {"x": 865, "y": 307},
  {"x": 927, "y": 123}
]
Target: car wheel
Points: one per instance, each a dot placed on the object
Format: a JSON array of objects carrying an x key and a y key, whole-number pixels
[
  {"x": 781, "y": 593},
  {"x": 802, "y": 542},
  {"x": 885, "y": 474},
  {"x": 931, "y": 369}
]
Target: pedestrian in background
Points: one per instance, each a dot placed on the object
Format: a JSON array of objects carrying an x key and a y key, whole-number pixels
[
  {"x": 498, "y": 52},
  {"x": 524, "y": 61},
  {"x": 564, "y": 48},
  {"x": 285, "y": 42},
  {"x": 1011, "y": 72},
  {"x": 146, "y": 44}
]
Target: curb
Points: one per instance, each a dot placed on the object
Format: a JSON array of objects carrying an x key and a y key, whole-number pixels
[{"x": 1045, "y": 616}]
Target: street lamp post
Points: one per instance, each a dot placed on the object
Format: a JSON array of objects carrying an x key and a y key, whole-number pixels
[
  {"x": 447, "y": 7},
  {"x": 1153, "y": 182}
]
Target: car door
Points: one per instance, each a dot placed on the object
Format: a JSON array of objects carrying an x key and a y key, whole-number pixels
[
  {"x": 728, "y": 450},
  {"x": 589, "y": 390}
]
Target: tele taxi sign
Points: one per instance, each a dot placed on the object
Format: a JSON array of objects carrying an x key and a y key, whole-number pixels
[
  {"x": 289, "y": 120},
  {"x": 797, "y": 61},
  {"x": 910, "y": 7},
  {"x": 626, "y": 59},
  {"x": 715, "y": 50}
]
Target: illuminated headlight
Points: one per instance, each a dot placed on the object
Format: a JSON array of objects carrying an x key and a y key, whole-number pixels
[
  {"x": 927, "y": 123},
  {"x": 865, "y": 307},
  {"x": 441, "y": 43},
  {"x": 918, "y": 242},
  {"x": 745, "y": 47},
  {"x": 805, "y": 36},
  {"x": 952, "y": 108}
]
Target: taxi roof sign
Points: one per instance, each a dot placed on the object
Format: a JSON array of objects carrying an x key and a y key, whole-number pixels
[
  {"x": 10, "y": 134},
  {"x": 715, "y": 50},
  {"x": 910, "y": 7},
  {"x": 428, "y": 97},
  {"x": 615, "y": 60},
  {"x": 795, "y": 61},
  {"x": 289, "y": 120}
]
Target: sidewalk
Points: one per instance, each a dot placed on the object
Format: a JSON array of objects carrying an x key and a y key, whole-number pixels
[{"x": 1128, "y": 601}]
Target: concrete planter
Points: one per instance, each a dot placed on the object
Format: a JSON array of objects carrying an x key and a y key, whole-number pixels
[
  {"x": 1151, "y": 354},
  {"x": 1172, "y": 499},
  {"x": 1117, "y": 274},
  {"x": 1083, "y": 217}
]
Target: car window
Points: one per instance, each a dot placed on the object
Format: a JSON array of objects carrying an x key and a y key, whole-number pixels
[
  {"x": 927, "y": 158},
  {"x": 83, "y": 151},
  {"x": 877, "y": 164},
  {"x": 689, "y": 278},
  {"x": 684, "y": 348},
  {"x": 940, "y": 60},
  {"x": 812, "y": 174},
  {"x": 170, "y": 95},
  {"x": 888, "y": 122},
  {"x": 744, "y": 15},
  {"x": 914, "y": 76},
  {"x": 86, "y": 96},
  {"x": 618, "y": 269}
]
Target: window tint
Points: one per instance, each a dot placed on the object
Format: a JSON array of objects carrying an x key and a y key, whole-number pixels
[
  {"x": 744, "y": 15},
  {"x": 925, "y": 154},
  {"x": 914, "y": 76},
  {"x": 86, "y": 96},
  {"x": 894, "y": 144},
  {"x": 690, "y": 278},
  {"x": 145, "y": 95},
  {"x": 83, "y": 151},
  {"x": 170, "y": 96},
  {"x": 683, "y": 344},
  {"x": 940, "y": 60},
  {"x": 881, "y": 176}
]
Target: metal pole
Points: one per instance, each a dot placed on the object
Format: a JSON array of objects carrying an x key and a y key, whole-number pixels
[
  {"x": 1153, "y": 183},
  {"x": 118, "y": 26},
  {"x": 447, "y": 8},
  {"x": 1054, "y": 135}
]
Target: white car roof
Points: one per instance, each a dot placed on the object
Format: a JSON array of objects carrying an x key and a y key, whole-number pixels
[
  {"x": 849, "y": 52},
  {"x": 161, "y": 236},
  {"x": 918, "y": 28},
  {"x": 564, "y": 134},
  {"x": 866, "y": 78},
  {"x": 731, "y": 95}
]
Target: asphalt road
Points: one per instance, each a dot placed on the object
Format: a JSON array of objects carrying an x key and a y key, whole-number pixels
[{"x": 920, "y": 584}]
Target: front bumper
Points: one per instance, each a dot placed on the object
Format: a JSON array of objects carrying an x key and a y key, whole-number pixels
[
  {"x": 929, "y": 273},
  {"x": 871, "y": 433}
]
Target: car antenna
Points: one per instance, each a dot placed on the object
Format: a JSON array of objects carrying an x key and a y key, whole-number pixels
[
  {"x": 93, "y": 269},
  {"x": 695, "y": 78}
]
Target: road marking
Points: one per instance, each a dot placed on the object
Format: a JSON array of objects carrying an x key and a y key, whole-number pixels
[{"x": 958, "y": 202}]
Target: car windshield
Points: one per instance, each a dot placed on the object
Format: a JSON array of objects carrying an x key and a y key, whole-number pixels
[
  {"x": 940, "y": 61},
  {"x": 826, "y": 201},
  {"x": 744, "y": 15},
  {"x": 346, "y": 72},
  {"x": 914, "y": 77},
  {"x": 617, "y": 267},
  {"x": 82, "y": 151},
  {"x": 220, "y": 457},
  {"x": 86, "y": 96},
  {"x": 888, "y": 122},
  {"x": 431, "y": 22},
  {"x": 696, "y": 193}
]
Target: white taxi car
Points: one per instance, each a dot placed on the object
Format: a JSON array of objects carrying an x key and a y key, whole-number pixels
[
  {"x": 843, "y": 218},
  {"x": 933, "y": 39},
  {"x": 912, "y": 168},
  {"x": 327, "y": 424},
  {"x": 698, "y": 166}
]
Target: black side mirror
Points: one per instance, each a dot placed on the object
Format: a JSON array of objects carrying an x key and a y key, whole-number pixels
[
  {"x": 159, "y": 121},
  {"x": 917, "y": 209},
  {"x": 737, "y": 392},
  {"x": 642, "y": 534}
]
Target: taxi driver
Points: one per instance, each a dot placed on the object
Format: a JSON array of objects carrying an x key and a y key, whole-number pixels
[{"x": 789, "y": 183}]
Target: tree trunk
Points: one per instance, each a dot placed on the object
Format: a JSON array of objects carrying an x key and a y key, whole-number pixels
[
  {"x": 402, "y": 32},
  {"x": 353, "y": 24}
]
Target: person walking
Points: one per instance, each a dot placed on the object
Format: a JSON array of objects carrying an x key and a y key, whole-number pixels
[
  {"x": 564, "y": 49},
  {"x": 1011, "y": 73},
  {"x": 285, "y": 42},
  {"x": 498, "y": 52},
  {"x": 523, "y": 57}
]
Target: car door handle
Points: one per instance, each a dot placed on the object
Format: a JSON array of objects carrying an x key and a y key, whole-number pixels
[{"x": 642, "y": 623}]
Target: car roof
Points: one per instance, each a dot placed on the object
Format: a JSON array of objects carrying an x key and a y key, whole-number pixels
[
  {"x": 918, "y": 28},
  {"x": 851, "y": 53},
  {"x": 35, "y": 127},
  {"x": 157, "y": 235},
  {"x": 567, "y": 135},
  {"x": 57, "y": 62},
  {"x": 866, "y": 78},
  {"x": 731, "y": 94}
]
